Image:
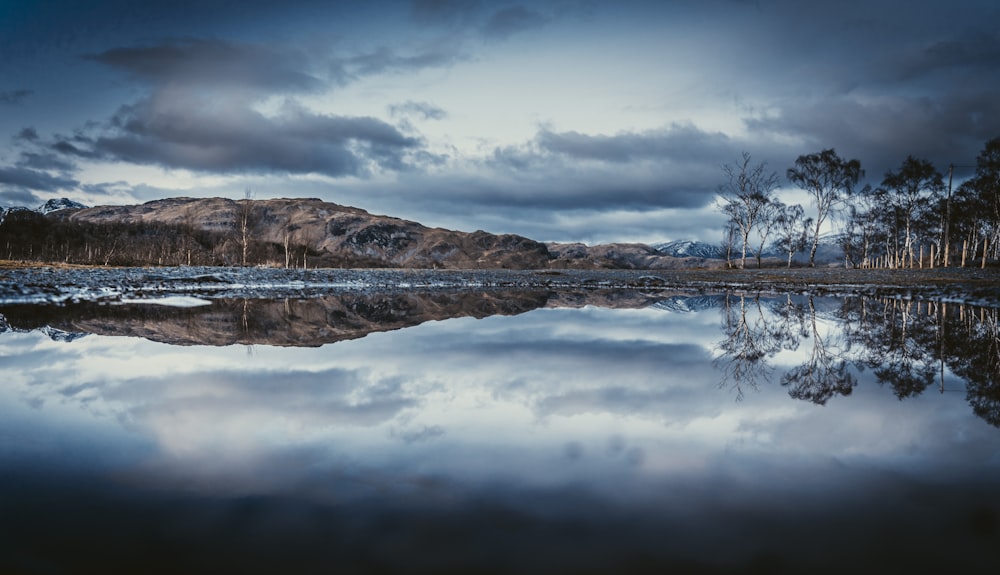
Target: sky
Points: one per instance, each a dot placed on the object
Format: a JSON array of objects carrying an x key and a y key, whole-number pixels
[{"x": 561, "y": 120}]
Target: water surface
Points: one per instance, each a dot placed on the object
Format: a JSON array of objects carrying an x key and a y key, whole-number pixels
[{"x": 526, "y": 431}]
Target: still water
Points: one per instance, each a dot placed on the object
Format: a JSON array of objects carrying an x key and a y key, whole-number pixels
[{"x": 528, "y": 432}]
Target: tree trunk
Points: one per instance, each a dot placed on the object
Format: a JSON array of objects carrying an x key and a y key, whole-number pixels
[
  {"x": 986, "y": 243},
  {"x": 815, "y": 246},
  {"x": 746, "y": 240}
]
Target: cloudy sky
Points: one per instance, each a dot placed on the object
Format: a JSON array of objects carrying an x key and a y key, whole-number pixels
[{"x": 565, "y": 120}]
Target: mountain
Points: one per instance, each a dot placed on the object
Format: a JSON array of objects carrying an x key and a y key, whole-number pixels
[
  {"x": 314, "y": 233},
  {"x": 54, "y": 334},
  {"x": 829, "y": 251},
  {"x": 690, "y": 248},
  {"x": 60, "y": 204},
  {"x": 621, "y": 256},
  {"x": 4, "y": 212},
  {"x": 290, "y": 233},
  {"x": 44, "y": 209},
  {"x": 305, "y": 232}
]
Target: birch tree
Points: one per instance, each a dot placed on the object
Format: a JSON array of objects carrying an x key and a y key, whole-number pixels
[
  {"x": 830, "y": 180},
  {"x": 745, "y": 197}
]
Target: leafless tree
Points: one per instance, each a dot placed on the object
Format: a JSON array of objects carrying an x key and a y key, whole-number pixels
[
  {"x": 830, "y": 180},
  {"x": 745, "y": 197}
]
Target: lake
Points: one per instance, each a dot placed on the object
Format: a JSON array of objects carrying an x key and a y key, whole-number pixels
[{"x": 527, "y": 431}]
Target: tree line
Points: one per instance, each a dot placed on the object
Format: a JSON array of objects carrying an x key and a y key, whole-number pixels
[
  {"x": 26, "y": 235},
  {"x": 910, "y": 219}
]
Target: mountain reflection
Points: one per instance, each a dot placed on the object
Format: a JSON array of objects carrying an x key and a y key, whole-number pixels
[
  {"x": 907, "y": 345},
  {"x": 291, "y": 322},
  {"x": 283, "y": 322}
]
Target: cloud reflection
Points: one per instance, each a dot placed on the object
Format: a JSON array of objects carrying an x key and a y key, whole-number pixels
[{"x": 544, "y": 430}]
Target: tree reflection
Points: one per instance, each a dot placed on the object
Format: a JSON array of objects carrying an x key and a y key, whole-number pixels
[
  {"x": 826, "y": 373},
  {"x": 745, "y": 346},
  {"x": 906, "y": 345},
  {"x": 898, "y": 345},
  {"x": 752, "y": 336},
  {"x": 973, "y": 353}
]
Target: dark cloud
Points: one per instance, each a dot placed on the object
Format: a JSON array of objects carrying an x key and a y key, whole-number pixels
[
  {"x": 200, "y": 112},
  {"x": 881, "y": 132},
  {"x": 447, "y": 12},
  {"x": 14, "y": 97},
  {"x": 977, "y": 52},
  {"x": 555, "y": 187},
  {"x": 38, "y": 180},
  {"x": 239, "y": 139},
  {"x": 386, "y": 60},
  {"x": 117, "y": 189},
  {"x": 79, "y": 149},
  {"x": 484, "y": 18},
  {"x": 215, "y": 63},
  {"x": 18, "y": 197},
  {"x": 45, "y": 161},
  {"x": 27, "y": 135},
  {"x": 422, "y": 110},
  {"x": 675, "y": 143},
  {"x": 423, "y": 434},
  {"x": 673, "y": 167},
  {"x": 888, "y": 85},
  {"x": 508, "y": 21}
]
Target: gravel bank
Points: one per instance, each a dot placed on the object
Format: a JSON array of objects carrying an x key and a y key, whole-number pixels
[{"x": 57, "y": 285}]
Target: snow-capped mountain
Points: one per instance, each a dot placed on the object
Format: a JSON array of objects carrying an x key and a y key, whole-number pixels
[
  {"x": 53, "y": 333},
  {"x": 60, "y": 204},
  {"x": 688, "y": 304},
  {"x": 46, "y": 208},
  {"x": 829, "y": 250},
  {"x": 689, "y": 249},
  {"x": 4, "y": 212}
]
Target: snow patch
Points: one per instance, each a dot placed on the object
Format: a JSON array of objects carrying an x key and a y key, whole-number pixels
[{"x": 172, "y": 301}]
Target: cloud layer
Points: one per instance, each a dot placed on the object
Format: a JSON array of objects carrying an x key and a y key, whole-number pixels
[{"x": 523, "y": 117}]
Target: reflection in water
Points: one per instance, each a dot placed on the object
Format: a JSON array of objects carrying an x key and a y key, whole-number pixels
[
  {"x": 308, "y": 322},
  {"x": 907, "y": 345},
  {"x": 589, "y": 435}
]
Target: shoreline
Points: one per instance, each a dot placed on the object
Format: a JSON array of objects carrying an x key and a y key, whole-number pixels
[{"x": 58, "y": 284}]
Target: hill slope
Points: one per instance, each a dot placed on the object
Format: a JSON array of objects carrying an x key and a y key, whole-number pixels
[{"x": 291, "y": 233}]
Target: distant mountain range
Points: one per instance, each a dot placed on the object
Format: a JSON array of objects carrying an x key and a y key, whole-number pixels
[
  {"x": 44, "y": 209},
  {"x": 304, "y": 232},
  {"x": 690, "y": 248},
  {"x": 829, "y": 251}
]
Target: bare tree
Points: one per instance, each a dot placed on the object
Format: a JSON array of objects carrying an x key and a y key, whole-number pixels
[
  {"x": 792, "y": 229},
  {"x": 830, "y": 180},
  {"x": 745, "y": 197},
  {"x": 911, "y": 191},
  {"x": 865, "y": 227},
  {"x": 765, "y": 225},
  {"x": 982, "y": 194},
  {"x": 243, "y": 224},
  {"x": 728, "y": 240}
]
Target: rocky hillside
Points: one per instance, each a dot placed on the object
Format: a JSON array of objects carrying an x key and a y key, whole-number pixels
[
  {"x": 290, "y": 233},
  {"x": 311, "y": 232}
]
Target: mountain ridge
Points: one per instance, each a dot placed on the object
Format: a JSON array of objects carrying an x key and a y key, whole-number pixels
[{"x": 303, "y": 232}]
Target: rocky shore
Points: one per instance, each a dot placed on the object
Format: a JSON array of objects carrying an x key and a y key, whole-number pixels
[{"x": 100, "y": 284}]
